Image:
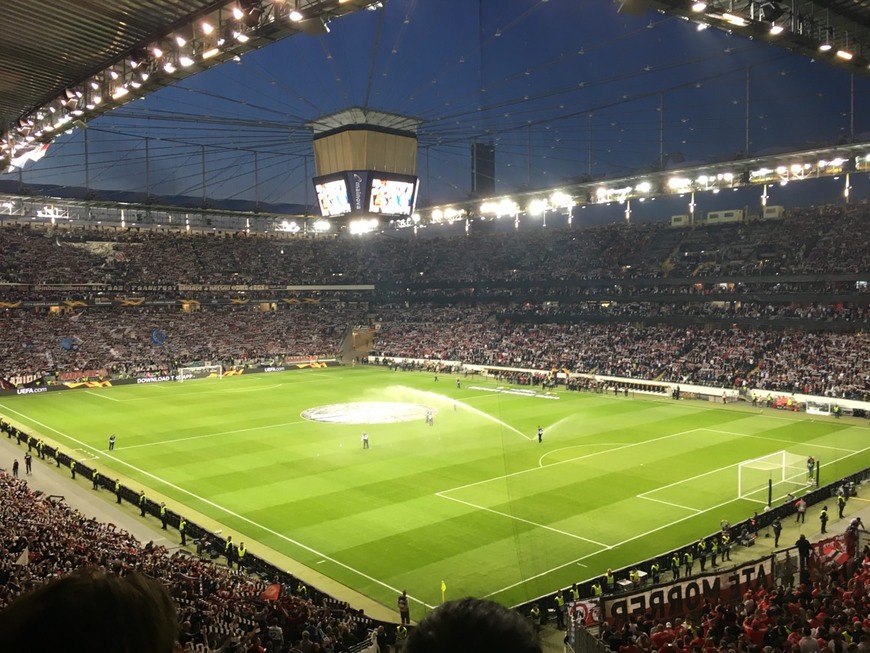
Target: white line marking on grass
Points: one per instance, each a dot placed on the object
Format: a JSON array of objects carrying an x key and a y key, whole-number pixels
[
  {"x": 764, "y": 437},
  {"x": 227, "y": 391},
  {"x": 569, "y": 460},
  {"x": 256, "y": 389},
  {"x": 97, "y": 394},
  {"x": 210, "y": 435},
  {"x": 574, "y": 446},
  {"x": 690, "y": 478},
  {"x": 221, "y": 508},
  {"x": 637, "y": 537},
  {"x": 668, "y": 503},
  {"x": 487, "y": 395},
  {"x": 525, "y": 521}
]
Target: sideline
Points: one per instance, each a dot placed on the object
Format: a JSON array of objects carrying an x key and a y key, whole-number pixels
[{"x": 325, "y": 584}]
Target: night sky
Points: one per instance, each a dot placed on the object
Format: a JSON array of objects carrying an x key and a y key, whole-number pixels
[{"x": 523, "y": 74}]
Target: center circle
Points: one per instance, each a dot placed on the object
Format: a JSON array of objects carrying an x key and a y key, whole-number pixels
[{"x": 369, "y": 412}]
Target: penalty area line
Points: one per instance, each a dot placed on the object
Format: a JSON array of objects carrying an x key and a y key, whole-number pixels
[
  {"x": 568, "y": 460},
  {"x": 636, "y": 537},
  {"x": 223, "y": 509},
  {"x": 791, "y": 442},
  {"x": 668, "y": 503},
  {"x": 210, "y": 435},
  {"x": 526, "y": 521}
]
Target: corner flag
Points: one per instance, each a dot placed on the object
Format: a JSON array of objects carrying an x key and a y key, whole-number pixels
[{"x": 443, "y": 591}]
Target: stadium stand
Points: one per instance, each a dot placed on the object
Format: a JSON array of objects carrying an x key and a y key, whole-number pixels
[{"x": 219, "y": 609}]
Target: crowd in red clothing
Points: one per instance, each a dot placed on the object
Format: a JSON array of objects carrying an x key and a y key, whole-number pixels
[
  {"x": 219, "y": 609},
  {"x": 831, "y": 615}
]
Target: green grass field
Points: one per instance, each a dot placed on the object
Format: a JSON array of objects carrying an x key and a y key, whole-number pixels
[{"x": 474, "y": 499}]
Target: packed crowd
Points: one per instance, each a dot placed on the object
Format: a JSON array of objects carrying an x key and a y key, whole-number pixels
[
  {"x": 585, "y": 331},
  {"x": 218, "y": 609},
  {"x": 155, "y": 341},
  {"x": 812, "y": 241},
  {"x": 830, "y": 615},
  {"x": 827, "y": 364},
  {"x": 118, "y": 343}
]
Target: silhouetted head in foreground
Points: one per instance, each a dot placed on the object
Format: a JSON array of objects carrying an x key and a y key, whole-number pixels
[
  {"x": 473, "y": 626},
  {"x": 93, "y": 611}
]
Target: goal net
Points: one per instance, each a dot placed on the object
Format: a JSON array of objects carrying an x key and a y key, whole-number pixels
[
  {"x": 782, "y": 471},
  {"x": 199, "y": 372}
]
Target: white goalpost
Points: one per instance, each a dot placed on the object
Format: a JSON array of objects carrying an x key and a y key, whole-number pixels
[
  {"x": 771, "y": 477},
  {"x": 194, "y": 372}
]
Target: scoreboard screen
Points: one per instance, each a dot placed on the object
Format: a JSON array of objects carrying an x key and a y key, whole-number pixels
[
  {"x": 392, "y": 195},
  {"x": 332, "y": 196},
  {"x": 366, "y": 192}
]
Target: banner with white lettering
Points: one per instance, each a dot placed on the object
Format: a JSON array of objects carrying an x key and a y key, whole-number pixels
[
  {"x": 584, "y": 613},
  {"x": 685, "y": 596}
]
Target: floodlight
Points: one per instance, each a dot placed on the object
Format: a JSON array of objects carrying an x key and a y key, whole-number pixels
[
  {"x": 734, "y": 19},
  {"x": 825, "y": 45},
  {"x": 537, "y": 207},
  {"x": 561, "y": 199},
  {"x": 208, "y": 54},
  {"x": 776, "y": 29},
  {"x": 844, "y": 54},
  {"x": 698, "y": 7},
  {"x": 185, "y": 61}
]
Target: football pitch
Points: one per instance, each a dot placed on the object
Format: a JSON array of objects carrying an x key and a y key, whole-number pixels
[{"x": 472, "y": 499}]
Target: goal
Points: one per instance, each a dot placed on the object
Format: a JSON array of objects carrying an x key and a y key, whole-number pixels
[
  {"x": 199, "y": 372},
  {"x": 770, "y": 478}
]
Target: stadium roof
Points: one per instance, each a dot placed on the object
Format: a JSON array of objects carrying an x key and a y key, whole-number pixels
[
  {"x": 834, "y": 31},
  {"x": 48, "y": 46},
  {"x": 61, "y": 61}
]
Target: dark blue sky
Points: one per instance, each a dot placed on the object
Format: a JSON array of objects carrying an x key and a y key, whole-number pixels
[{"x": 524, "y": 74}]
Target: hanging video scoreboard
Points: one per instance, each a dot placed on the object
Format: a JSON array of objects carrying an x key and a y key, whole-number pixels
[{"x": 366, "y": 192}]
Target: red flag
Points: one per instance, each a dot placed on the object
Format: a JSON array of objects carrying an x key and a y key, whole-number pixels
[{"x": 271, "y": 593}]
